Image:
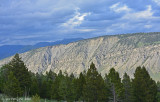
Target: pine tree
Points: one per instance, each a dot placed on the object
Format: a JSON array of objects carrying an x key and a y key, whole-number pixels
[
  {"x": 144, "y": 87},
  {"x": 75, "y": 89},
  {"x": 128, "y": 90},
  {"x": 80, "y": 86},
  {"x": 34, "y": 86},
  {"x": 55, "y": 87},
  {"x": 3, "y": 76},
  {"x": 158, "y": 93},
  {"x": 12, "y": 86},
  {"x": 94, "y": 89},
  {"x": 71, "y": 87},
  {"x": 21, "y": 73},
  {"x": 65, "y": 88},
  {"x": 62, "y": 89},
  {"x": 116, "y": 86},
  {"x": 50, "y": 78},
  {"x": 44, "y": 87}
]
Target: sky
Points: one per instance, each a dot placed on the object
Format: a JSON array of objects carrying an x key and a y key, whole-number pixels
[{"x": 27, "y": 22}]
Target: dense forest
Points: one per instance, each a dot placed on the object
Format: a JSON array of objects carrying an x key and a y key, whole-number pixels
[{"x": 89, "y": 86}]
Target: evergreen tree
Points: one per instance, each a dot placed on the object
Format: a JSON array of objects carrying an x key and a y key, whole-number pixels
[
  {"x": 11, "y": 86},
  {"x": 21, "y": 73},
  {"x": 50, "y": 78},
  {"x": 144, "y": 87},
  {"x": 74, "y": 89},
  {"x": 63, "y": 89},
  {"x": 44, "y": 87},
  {"x": 158, "y": 93},
  {"x": 4, "y": 72},
  {"x": 34, "y": 86},
  {"x": 80, "y": 86},
  {"x": 116, "y": 87},
  {"x": 128, "y": 90},
  {"x": 108, "y": 85},
  {"x": 66, "y": 86},
  {"x": 71, "y": 84},
  {"x": 16, "y": 80},
  {"x": 94, "y": 89},
  {"x": 55, "y": 87}
]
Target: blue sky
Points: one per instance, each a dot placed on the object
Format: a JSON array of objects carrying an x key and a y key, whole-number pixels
[{"x": 32, "y": 21}]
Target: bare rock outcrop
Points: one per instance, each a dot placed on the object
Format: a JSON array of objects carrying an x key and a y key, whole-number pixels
[{"x": 123, "y": 52}]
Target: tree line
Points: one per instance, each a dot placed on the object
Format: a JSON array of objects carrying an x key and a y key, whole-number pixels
[{"x": 89, "y": 86}]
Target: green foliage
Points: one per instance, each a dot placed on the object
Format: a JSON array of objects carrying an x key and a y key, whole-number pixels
[
  {"x": 94, "y": 88},
  {"x": 140, "y": 40},
  {"x": 158, "y": 96},
  {"x": 144, "y": 87},
  {"x": 34, "y": 86},
  {"x": 80, "y": 86},
  {"x": 20, "y": 73},
  {"x": 140, "y": 44},
  {"x": 128, "y": 89},
  {"x": 12, "y": 86},
  {"x": 3, "y": 76},
  {"x": 158, "y": 93},
  {"x": 44, "y": 89},
  {"x": 158, "y": 86},
  {"x": 17, "y": 81},
  {"x": 35, "y": 98},
  {"x": 116, "y": 87},
  {"x": 45, "y": 84},
  {"x": 55, "y": 87},
  {"x": 65, "y": 90}
]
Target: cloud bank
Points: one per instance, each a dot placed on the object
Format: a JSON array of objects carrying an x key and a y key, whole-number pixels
[{"x": 32, "y": 21}]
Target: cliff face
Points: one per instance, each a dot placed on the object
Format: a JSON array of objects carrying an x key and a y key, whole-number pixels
[{"x": 123, "y": 52}]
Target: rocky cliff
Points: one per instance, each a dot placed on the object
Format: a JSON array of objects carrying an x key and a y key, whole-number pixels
[{"x": 123, "y": 52}]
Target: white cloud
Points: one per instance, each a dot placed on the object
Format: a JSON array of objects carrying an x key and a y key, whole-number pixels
[
  {"x": 114, "y": 5},
  {"x": 56, "y": 19},
  {"x": 76, "y": 20},
  {"x": 157, "y": 2},
  {"x": 86, "y": 30},
  {"x": 119, "y": 8},
  {"x": 116, "y": 26},
  {"x": 146, "y": 14},
  {"x": 148, "y": 26}
]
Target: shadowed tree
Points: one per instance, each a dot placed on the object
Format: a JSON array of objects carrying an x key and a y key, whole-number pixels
[
  {"x": 144, "y": 87},
  {"x": 12, "y": 87},
  {"x": 94, "y": 88},
  {"x": 128, "y": 89},
  {"x": 158, "y": 93},
  {"x": 116, "y": 87},
  {"x": 21, "y": 73}
]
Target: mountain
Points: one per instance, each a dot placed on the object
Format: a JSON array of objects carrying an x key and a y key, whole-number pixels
[
  {"x": 10, "y": 50},
  {"x": 64, "y": 41},
  {"x": 123, "y": 52}
]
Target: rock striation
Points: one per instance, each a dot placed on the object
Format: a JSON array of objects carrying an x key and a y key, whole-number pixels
[{"x": 123, "y": 52}]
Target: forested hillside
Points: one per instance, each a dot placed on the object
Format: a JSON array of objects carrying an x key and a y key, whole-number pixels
[{"x": 89, "y": 86}]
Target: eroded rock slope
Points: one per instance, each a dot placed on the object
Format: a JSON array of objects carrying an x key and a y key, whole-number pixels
[{"x": 123, "y": 52}]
